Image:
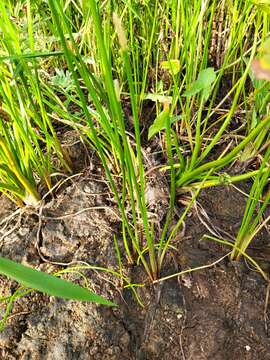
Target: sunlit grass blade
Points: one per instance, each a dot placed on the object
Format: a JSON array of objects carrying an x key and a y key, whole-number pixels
[{"x": 48, "y": 284}]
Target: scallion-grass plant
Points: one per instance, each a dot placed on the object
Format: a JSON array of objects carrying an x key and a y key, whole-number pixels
[
  {"x": 28, "y": 139},
  {"x": 258, "y": 107},
  {"x": 253, "y": 219},
  {"x": 193, "y": 25},
  {"x": 192, "y": 34},
  {"x": 27, "y": 143},
  {"x": 245, "y": 27},
  {"x": 244, "y": 34},
  {"x": 138, "y": 234},
  {"x": 177, "y": 32}
]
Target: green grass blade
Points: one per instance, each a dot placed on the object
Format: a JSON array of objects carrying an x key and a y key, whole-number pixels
[{"x": 48, "y": 284}]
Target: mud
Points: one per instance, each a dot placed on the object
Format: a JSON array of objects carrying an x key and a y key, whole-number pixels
[{"x": 214, "y": 314}]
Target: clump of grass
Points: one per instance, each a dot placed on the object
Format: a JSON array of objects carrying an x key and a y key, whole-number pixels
[
  {"x": 157, "y": 50},
  {"x": 257, "y": 202},
  {"x": 28, "y": 139},
  {"x": 112, "y": 122},
  {"x": 27, "y": 143},
  {"x": 107, "y": 126}
]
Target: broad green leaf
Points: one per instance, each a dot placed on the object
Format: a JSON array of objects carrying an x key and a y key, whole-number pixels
[
  {"x": 205, "y": 79},
  {"x": 48, "y": 284},
  {"x": 206, "y": 92},
  {"x": 172, "y": 65},
  {"x": 160, "y": 123}
]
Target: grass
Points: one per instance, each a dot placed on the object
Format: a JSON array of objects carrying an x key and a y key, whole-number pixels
[{"x": 192, "y": 60}]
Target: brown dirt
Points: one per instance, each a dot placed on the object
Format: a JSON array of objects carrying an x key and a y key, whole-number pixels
[{"x": 213, "y": 314}]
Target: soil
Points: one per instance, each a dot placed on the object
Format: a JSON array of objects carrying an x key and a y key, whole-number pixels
[{"x": 217, "y": 313}]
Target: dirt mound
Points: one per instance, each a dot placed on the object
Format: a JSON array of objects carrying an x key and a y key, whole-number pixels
[{"x": 213, "y": 314}]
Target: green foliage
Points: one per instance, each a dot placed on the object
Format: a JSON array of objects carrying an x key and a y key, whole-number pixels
[
  {"x": 28, "y": 139},
  {"x": 160, "y": 123},
  {"x": 256, "y": 205},
  {"x": 203, "y": 84},
  {"x": 54, "y": 54},
  {"x": 48, "y": 284},
  {"x": 63, "y": 80},
  {"x": 263, "y": 5}
]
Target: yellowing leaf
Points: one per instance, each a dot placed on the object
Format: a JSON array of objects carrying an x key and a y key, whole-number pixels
[
  {"x": 263, "y": 5},
  {"x": 261, "y": 2},
  {"x": 158, "y": 97},
  {"x": 172, "y": 65}
]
